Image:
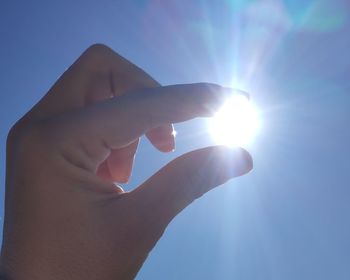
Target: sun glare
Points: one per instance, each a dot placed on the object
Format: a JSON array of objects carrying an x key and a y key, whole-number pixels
[{"x": 236, "y": 123}]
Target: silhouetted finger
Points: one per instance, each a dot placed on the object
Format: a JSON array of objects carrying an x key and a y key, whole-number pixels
[
  {"x": 187, "y": 178},
  {"x": 162, "y": 137},
  {"x": 117, "y": 122}
]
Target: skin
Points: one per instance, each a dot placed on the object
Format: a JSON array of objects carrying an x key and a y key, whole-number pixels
[{"x": 65, "y": 218}]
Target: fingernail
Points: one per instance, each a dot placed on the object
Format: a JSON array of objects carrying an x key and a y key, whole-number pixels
[{"x": 233, "y": 91}]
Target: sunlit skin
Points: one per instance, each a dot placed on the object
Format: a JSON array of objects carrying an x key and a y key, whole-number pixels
[
  {"x": 64, "y": 216},
  {"x": 236, "y": 122}
]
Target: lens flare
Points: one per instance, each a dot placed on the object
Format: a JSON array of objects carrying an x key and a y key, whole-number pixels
[{"x": 236, "y": 123}]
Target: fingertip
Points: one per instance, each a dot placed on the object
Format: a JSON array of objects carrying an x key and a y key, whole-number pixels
[
  {"x": 237, "y": 160},
  {"x": 162, "y": 138},
  {"x": 167, "y": 146},
  {"x": 122, "y": 180},
  {"x": 120, "y": 176},
  {"x": 120, "y": 169},
  {"x": 242, "y": 161}
]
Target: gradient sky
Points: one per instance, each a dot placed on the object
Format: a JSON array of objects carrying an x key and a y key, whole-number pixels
[{"x": 289, "y": 218}]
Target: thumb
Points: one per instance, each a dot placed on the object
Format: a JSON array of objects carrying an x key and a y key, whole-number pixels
[{"x": 187, "y": 178}]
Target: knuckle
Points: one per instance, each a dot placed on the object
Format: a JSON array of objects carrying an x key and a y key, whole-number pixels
[
  {"x": 29, "y": 147},
  {"x": 96, "y": 52},
  {"x": 98, "y": 49},
  {"x": 18, "y": 132},
  {"x": 14, "y": 133},
  {"x": 96, "y": 58},
  {"x": 27, "y": 135}
]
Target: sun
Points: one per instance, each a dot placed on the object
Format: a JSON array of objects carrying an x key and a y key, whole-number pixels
[{"x": 236, "y": 123}]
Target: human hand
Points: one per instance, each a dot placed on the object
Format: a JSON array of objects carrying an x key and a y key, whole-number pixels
[{"x": 64, "y": 216}]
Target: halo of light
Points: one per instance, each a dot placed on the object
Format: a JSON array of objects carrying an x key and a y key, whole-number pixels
[{"x": 236, "y": 123}]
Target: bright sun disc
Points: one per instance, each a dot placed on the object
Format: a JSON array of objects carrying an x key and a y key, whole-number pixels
[{"x": 236, "y": 123}]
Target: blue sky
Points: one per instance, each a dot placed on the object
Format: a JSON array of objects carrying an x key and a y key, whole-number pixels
[{"x": 289, "y": 218}]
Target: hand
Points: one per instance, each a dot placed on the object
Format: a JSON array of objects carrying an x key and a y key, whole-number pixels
[{"x": 64, "y": 216}]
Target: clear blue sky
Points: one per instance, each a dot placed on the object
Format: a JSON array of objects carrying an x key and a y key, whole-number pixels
[{"x": 289, "y": 218}]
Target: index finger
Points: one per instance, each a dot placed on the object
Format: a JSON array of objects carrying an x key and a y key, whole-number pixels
[{"x": 117, "y": 122}]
